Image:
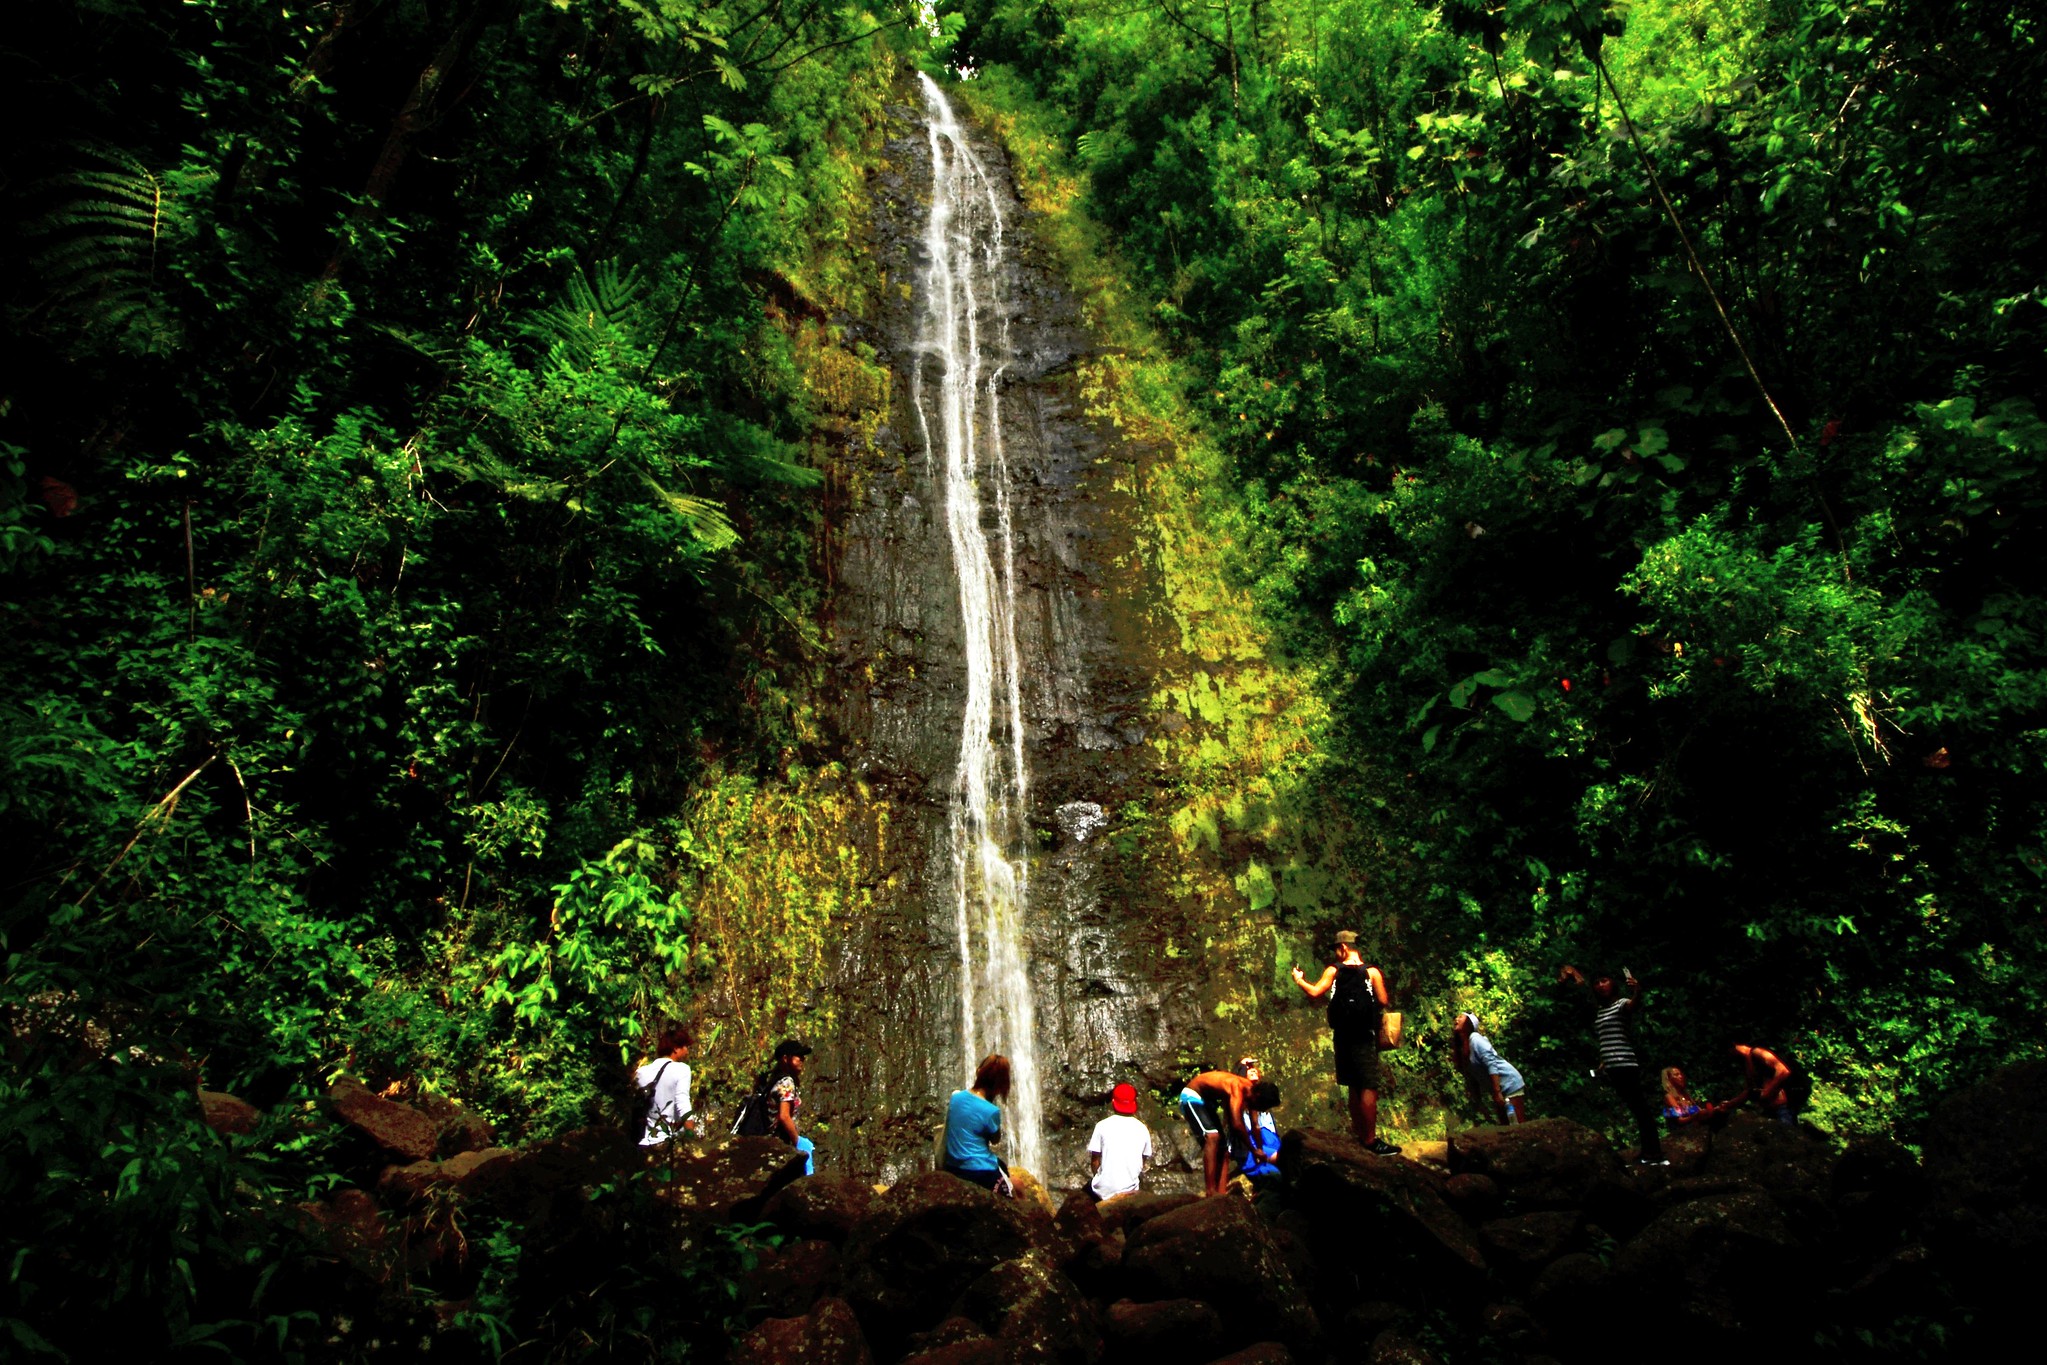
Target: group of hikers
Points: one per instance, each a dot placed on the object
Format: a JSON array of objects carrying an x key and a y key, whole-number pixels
[{"x": 1229, "y": 1113}]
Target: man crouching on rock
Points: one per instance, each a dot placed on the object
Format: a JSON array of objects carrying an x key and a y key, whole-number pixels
[{"x": 1216, "y": 1098}]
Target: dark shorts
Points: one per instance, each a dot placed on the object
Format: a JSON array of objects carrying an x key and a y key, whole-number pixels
[
  {"x": 987, "y": 1180},
  {"x": 1203, "y": 1116},
  {"x": 1357, "y": 1061}
]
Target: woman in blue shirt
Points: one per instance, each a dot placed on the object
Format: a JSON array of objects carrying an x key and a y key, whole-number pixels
[
  {"x": 1490, "y": 1074},
  {"x": 972, "y": 1122}
]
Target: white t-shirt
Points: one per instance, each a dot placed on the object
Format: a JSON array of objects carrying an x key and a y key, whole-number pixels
[
  {"x": 1124, "y": 1144},
  {"x": 671, "y": 1099}
]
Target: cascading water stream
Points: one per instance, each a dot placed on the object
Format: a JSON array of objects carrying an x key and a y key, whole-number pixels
[{"x": 962, "y": 431}]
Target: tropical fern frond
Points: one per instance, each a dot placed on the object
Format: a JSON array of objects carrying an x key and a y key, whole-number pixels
[
  {"x": 100, "y": 254},
  {"x": 753, "y": 456},
  {"x": 601, "y": 305},
  {"x": 706, "y": 521}
]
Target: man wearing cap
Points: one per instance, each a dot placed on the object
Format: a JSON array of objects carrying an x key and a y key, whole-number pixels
[
  {"x": 1120, "y": 1146},
  {"x": 1357, "y": 998}
]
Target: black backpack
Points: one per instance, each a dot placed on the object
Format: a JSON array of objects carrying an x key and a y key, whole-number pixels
[
  {"x": 642, "y": 1107},
  {"x": 756, "y": 1115},
  {"x": 1352, "y": 1003}
]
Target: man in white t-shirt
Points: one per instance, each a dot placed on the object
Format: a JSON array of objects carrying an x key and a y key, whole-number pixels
[
  {"x": 667, "y": 1075},
  {"x": 1120, "y": 1146}
]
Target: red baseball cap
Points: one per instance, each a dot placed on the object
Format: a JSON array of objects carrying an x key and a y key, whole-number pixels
[{"x": 1123, "y": 1099}]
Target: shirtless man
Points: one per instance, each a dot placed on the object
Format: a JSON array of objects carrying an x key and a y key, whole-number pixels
[
  {"x": 1216, "y": 1098},
  {"x": 1765, "y": 1076}
]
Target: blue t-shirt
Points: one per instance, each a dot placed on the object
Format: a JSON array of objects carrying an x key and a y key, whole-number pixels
[
  {"x": 971, "y": 1123},
  {"x": 1486, "y": 1062}
]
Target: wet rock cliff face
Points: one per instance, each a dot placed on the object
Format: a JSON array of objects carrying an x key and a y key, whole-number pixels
[{"x": 1108, "y": 1005}]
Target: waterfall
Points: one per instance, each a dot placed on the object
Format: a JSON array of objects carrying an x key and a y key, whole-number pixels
[{"x": 961, "y": 424}]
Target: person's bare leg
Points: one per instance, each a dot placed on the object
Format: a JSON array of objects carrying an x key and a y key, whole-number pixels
[
  {"x": 1371, "y": 1114},
  {"x": 1212, "y": 1163},
  {"x": 1362, "y": 1127}
]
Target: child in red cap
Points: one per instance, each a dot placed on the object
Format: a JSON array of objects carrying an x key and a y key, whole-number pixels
[{"x": 1120, "y": 1146}]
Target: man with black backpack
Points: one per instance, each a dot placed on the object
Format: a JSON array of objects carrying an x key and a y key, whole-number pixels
[
  {"x": 661, "y": 1091},
  {"x": 1357, "y": 1001}
]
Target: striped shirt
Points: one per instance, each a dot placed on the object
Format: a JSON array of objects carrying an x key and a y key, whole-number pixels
[{"x": 1610, "y": 1027}]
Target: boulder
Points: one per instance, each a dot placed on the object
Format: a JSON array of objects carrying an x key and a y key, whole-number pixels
[
  {"x": 228, "y": 1116},
  {"x": 1391, "y": 1348},
  {"x": 1217, "y": 1249},
  {"x": 1511, "y": 1324},
  {"x": 354, "y": 1230},
  {"x": 951, "y": 1332},
  {"x": 1878, "y": 1193},
  {"x": 920, "y": 1245},
  {"x": 982, "y": 1351},
  {"x": 1544, "y": 1164},
  {"x": 1126, "y": 1211},
  {"x": 1435, "y": 1154},
  {"x": 1264, "y": 1353},
  {"x": 397, "y": 1128},
  {"x": 1713, "y": 1269},
  {"x": 1475, "y": 1197},
  {"x": 1986, "y": 1174},
  {"x": 1363, "y": 1322},
  {"x": 1519, "y": 1247},
  {"x": 786, "y": 1282},
  {"x": 827, "y": 1335},
  {"x": 1380, "y": 1221},
  {"x": 1038, "y": 1311},
  {"x": 1031, "y": 1195},
  {"x": 470, "y": 1173},
  {"x": 461, "y": 1130},
  {"x": 1573, "y": 1299},
  {"x": 554, "y": 1174},
  {"x": 821, "y": 1207},
  {"x": 1091, "y": 1258},
  {"x": 1185, "y": 1329},
  {"x": 733, "y": 1178},
  {"x": 1755, "y": 1151}
]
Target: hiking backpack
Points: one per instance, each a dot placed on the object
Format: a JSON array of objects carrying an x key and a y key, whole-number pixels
[
  {"x": 643, "y": 1102},
  {"x": 756, "y": 1115},
  {"x": 1352, "y": 1003}
]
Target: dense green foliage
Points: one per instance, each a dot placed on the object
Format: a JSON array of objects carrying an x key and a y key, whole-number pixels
[
  {"x": 406, "y": 495},
  {"x": 1703, "y": 643},
  {"x": 408, "y": 474}
]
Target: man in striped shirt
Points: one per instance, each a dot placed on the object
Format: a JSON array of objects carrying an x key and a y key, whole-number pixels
[{"x": 1619, "y": 1067}]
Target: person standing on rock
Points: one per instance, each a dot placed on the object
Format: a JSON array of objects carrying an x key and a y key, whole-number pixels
[
  {"x": 784, "y": 1102},
  {"x": 1618, "y": 1066},
  {"x": 1357, "y": 1000},
  {"x": 1489, "y": 1074},
  {"x": 1215, "y": 1104},
  {"x": 667, "y": 1079},
  {"x": 1119, "y": 1147},
  {"x": 973, "y": 1121},
  {"x": 1766, "y": 1080}
]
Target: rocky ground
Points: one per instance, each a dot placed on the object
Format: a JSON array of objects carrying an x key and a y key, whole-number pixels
[{"x": 1513, "y": 1244}]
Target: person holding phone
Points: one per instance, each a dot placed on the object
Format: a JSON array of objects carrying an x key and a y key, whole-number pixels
[{"x": 1612, "y": 1011}]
